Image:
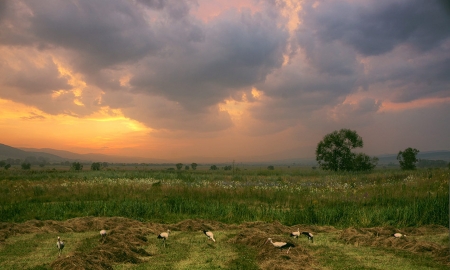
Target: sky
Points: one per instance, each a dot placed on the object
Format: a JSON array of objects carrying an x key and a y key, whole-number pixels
[{"x": 244, "y": 80}]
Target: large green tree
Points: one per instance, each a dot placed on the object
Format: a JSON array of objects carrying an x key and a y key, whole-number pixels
[
  {"x": 334, "y": 152},
  {"x": 407, "y": 158}
]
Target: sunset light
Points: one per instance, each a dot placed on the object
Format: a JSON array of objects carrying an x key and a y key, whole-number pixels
[{"x": 222, "y": 80}]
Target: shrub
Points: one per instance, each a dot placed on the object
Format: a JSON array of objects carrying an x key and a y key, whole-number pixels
[
  {"x": 26, "y": 166},
  {"x": 96, "y": 166},
  {"x": 76, "y": 166}
]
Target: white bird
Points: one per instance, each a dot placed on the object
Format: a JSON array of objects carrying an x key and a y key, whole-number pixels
[
  {"x": 309, "y": 235},
  {"x": 164, "y": 236},
  {"x": 398, "y": 235},
  {"x": 103, "y": 233},
  {"x": 209, "y": 234},
  {"x": 280, "y": 245},
  {"x": 60, "y": 246},
  {"x": 296, "y": 234}
]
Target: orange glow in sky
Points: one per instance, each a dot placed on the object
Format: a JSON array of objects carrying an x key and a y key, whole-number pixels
[
  {"x": 229, "y": 79},
  {"x": 106, "y": 130}
]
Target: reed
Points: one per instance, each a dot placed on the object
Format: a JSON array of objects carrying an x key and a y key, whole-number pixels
[{"x": 383, "y": 197}]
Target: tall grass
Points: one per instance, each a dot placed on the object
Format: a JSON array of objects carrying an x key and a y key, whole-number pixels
[{"x": 383, "y": 197}]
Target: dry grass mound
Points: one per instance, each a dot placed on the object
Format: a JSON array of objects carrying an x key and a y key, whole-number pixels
[
  {"x": 382, "y": 237},
  {"x": 126, "y": 238},
  {"x": 121, "y": 245},
  {"x": 270, "y": 257},
  {"x": 191, "y": 225}
]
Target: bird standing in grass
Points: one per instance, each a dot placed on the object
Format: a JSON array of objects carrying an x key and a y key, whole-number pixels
[
  {"x": 164, "y": 236},
  {"x": 296, "y": 234},
  {"x": 103, "y": 234},
  {"x": 309, "y": 235},
  {"x": 209, "y": 234},
  {"x": 398, "y": 235},
  {"x": 60, "y": 246},
  {"x": 280, "y": 245}
]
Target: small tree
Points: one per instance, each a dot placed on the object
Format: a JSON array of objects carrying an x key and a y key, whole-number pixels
[
  {"x": 26, "y": 166},
  {"x": 179, "y": 166},
  {"x": 194, "y": 166},
  {"x": 7, "y": 166},
  {"x": 271, "y": 167},
  {"x": 408, "y": 159},
  {"x": 213, "y": 167},
  {"x": 186, "y": 167},
  {"x": 96, "y": 166},
  {"x": 76, "y": 166}
]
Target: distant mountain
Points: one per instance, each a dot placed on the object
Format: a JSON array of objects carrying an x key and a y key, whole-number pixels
[
  {"x": 15, "y": 153},
  {"x": 92, "y": 157},
  {"x": 53, "y": 156},
  {"x": 56, "y": 156}
]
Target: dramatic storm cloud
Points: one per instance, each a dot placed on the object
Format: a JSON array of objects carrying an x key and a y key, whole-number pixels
[{"x": 225, "y": 79}]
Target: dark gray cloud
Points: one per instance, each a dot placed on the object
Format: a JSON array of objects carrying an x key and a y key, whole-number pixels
[
  {"x": 101, "y": 33},
  {"x": 376, "y": 27},
  {"x": 238, "y": 50},
  {"x": 171, "y": 71},
  {"x": 176, "y": 9}
]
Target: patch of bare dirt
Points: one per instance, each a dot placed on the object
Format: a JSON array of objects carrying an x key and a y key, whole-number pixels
[{"x": 382, "y": 237}]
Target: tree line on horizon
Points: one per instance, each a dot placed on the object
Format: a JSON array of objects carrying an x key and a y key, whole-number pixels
[{"x": 333, "y": 153}]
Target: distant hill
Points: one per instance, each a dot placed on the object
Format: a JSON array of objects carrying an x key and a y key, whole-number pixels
[
  {"x": 56, "y": 156},
  {"x": 429, "y": 155},
  {"x": 15, "y": 153},
  {"x": 92, "y": 157}
]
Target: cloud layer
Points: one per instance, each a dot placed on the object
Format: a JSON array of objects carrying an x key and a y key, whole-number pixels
[{"x": 243, "y": 72}]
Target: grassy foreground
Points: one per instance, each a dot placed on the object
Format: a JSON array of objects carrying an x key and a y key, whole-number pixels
[
  {"x": 380, "y": 198},
  {"x": 133, "y": 245},
  {"x": 244, "y": 208}
]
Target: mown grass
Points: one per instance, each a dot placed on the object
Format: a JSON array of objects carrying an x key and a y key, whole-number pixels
[
  {"x": 383, "y": 197},
  {"x": 191, "y": 250},
  {"x": 337, "y": 255},
  {"x": 37, "y": 250}
]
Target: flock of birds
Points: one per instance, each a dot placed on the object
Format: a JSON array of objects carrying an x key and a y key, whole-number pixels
[
  {"x": 210, "y": 236},
  {"x": 287, "y": 245},
  {"x": 165, "y": 235}
]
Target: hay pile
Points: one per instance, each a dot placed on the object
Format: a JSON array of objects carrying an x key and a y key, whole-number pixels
[
  {"x": 382, "y": 237},
  {"x": 126, "y": 239},
  {"x": 255, "y": 235},
  {"x": 122, "y": 244}
]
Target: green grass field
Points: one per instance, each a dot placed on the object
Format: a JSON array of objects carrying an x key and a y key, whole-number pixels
[{"x": 36, "y": 206}]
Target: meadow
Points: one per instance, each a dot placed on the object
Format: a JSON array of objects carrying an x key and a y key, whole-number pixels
[{"x": 291, "y": 197}]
